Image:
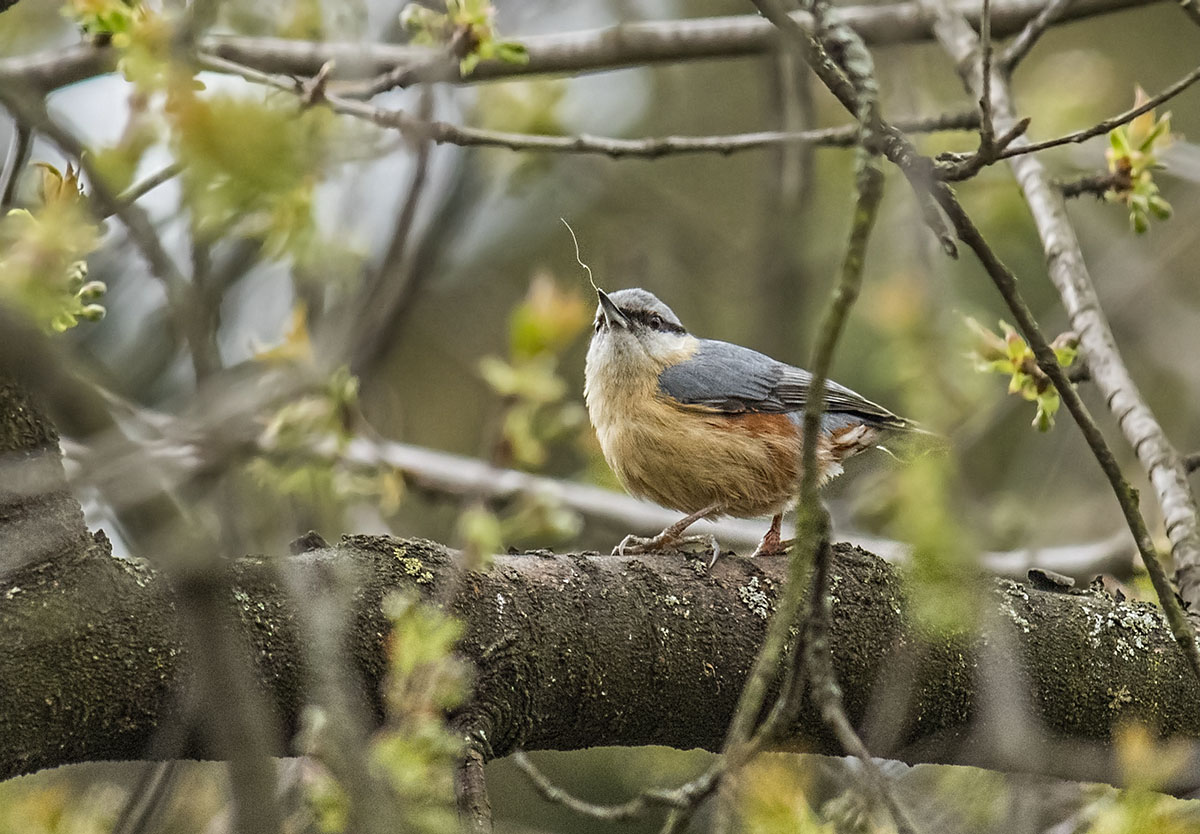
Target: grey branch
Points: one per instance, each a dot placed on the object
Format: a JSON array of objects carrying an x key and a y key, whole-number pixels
[{"x": 615, "y": 47}]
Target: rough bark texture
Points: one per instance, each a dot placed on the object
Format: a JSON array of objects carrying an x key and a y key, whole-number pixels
[
  {"x": 38, "y": 515},
  {"x": 577, "y": 651}
]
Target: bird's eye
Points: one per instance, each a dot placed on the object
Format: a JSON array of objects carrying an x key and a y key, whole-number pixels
[{"x": 656, "y": 321}]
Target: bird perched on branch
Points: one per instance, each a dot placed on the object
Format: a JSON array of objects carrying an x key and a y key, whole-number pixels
[{"x": 710, "y": 428}]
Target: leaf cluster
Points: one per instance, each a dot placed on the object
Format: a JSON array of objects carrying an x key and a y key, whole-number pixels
[
  {"x": 1133, "y": 155},
  {"x": 1009, "y": 355},
  {"x": 43, "y": 252},
  {"x": 466, "y": 28}
]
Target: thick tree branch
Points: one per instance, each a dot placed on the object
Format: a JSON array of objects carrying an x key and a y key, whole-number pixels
[
  {"x": 614, "y": 47},
  {"x": 575, "y": 651}
]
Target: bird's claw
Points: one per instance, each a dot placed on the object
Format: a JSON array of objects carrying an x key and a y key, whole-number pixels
[
  {"x": 632, "y": 545},
  {"x": 776, "y": 547}
]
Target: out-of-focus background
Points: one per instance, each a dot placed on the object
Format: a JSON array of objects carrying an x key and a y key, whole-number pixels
[{"x": 743, "y": 247}]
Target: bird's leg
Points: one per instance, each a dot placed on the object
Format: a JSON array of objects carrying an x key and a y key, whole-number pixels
[
  {"x": 672, "y": 537},
  {"x": 772, "y": 544}
]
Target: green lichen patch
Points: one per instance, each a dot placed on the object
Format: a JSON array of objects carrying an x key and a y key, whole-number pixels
[{"x": 414, "y": 567}]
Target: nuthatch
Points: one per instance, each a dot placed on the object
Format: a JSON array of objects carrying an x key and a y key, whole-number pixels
[{"x": 710, "y": 428}]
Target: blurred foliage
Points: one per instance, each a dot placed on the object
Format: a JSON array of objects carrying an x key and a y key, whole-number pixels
[
  {"x": 1133, "y": 155},
  {"x": 110, "y": 20},
  {"x": 772, "y": 798},
  {"x": 250, "y": 168},
  {"x": 1147, "y": 766},
  {"x": 920, "y": 500},
  {"x": 536, "y": 415},
  {"x": 43, "y": 251},
  {"x": 466, "y": 28},
  {"x": 303, "y": 444},
  {"x": 1011, "y": 356},
  {"x": 415, "y": 752},
  {"x": 52, "y": 806},
  {"x": 536, "y": 412}
]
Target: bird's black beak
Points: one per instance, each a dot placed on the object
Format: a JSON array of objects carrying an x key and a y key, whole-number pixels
[{"x": 613, "y": 317}]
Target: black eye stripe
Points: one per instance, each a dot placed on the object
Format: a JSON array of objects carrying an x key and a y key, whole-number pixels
[{"x": 654, "y": 321}]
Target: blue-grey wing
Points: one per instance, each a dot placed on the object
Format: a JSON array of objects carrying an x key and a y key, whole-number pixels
[{"x": 732, "y": 379}]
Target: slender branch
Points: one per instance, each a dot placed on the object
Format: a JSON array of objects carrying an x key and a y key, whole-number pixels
[
  {"x": 1096, "y": 184},
  {"x": 1070, "y": 276},
  {"x": 916, "y": 168},
  {"x": 18, "y": 152},
  {"x": 812, "y": 541},
  {"x": 987, "y": 131},
  {"x": 671, "y": 798},
  {"x": 817, "y": 653},
  {"x": 389, "y": 289},
  {"x": 1033, "y": 30},
  {"x": 644, "y": 148},
  {"x": 470, "y": 788},
  {"x": 1019, "y": 149},
  {"x": 152, "y": 181},
  {"x": 1005, "y": 281}
]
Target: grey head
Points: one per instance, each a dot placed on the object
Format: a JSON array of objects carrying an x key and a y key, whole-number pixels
[
  {"x": 634, "y": 328},
  {"x": 635, "y": 309}
]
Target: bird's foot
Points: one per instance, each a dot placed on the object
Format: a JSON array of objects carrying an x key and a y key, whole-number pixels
[
  {"x": 632, "y": 545},
  {"x": 772, "y": 545}
]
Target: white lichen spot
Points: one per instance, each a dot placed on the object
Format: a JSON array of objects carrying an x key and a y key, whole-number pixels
[
  {"x": 1008, "y": 607},
  {"x": 1124, "y": 625},
  {"x": 755, "y": 598},
  {"x": 500, "y": 603},
  {"x": 12, "y": 592}
]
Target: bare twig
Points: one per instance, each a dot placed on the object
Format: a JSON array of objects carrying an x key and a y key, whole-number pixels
[
  {"x": 670, "y": 798},
  {"x": 646, "y": 148},
  {"x": 152, "y": 181},
  {"x": 1006, "y": 282},
  {"x": 1021, "y": 148},
  {"x": 470, "y": 790},
  {"x": 1033, "y": 30},
  {"x": 813, "y": 526},
  {"x": 14, "y": 161},
  {"x": 987, "y": 131},
  {"x": 147, "y": 799},
  {"x": 1097, "y": 184},
  {"x": 393, "y": 285}
]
